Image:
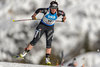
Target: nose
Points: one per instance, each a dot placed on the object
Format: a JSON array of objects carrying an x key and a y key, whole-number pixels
[{"x": 54, "y": 10}]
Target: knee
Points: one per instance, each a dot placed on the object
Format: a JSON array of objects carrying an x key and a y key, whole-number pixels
[
  {"x": 48, "y": 46},
  {"x": 33, "y": 43}
]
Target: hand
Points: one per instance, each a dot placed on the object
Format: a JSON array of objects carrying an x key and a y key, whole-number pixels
[
  {"x": 34, "y": 16},
  {"x": 64, "y": 19}
]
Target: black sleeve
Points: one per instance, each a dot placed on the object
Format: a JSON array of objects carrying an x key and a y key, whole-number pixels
[
  {"x": 41, "y": 10},
  {"x": 60, "y": 12}
]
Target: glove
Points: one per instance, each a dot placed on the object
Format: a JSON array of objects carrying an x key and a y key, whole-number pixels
[
  {"x": 34, "y": 18},
  {"x": 63, "y": 19}
]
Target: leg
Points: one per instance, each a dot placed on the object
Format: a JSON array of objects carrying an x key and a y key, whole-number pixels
[
  {"x": 49, "y": 37},
  {"x": 48, "y": 47},
  {"x": 29, "y": 47},
  {"x": 37, "y": 36},
  {"x": 48, "y": 50}
]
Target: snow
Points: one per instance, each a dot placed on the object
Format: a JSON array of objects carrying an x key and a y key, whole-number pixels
[
  {"x": 90, "y": 59},
  {"x": 6, "y": 64}
]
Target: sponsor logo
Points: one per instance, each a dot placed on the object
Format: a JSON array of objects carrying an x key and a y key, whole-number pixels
[{"x": 53, "y": 17}]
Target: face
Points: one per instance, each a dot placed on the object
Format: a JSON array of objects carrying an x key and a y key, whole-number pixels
[{"x": 53, "y": 10}]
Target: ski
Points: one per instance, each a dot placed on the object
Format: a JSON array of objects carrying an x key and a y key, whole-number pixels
[
  {"x": 18, "y": 57},
  {"x": 62, "y": 58}
]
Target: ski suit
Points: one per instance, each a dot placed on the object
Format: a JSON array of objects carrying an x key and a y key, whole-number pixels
[{"x": 46, "y": 26}]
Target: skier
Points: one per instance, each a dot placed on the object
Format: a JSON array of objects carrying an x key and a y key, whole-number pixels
[{"x": 46, "y": 26}]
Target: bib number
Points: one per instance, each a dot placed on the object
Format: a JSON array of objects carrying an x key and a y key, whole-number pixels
[{"x": 50, "y": 21}]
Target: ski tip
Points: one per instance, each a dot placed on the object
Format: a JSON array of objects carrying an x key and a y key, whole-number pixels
[
  {"x": 13, "y": 20},
  {"x": 17, "y": 57}
]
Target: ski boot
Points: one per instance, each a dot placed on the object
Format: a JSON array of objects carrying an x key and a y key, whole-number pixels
[
  {"x": 21, "y": 56},
  {"x": 48, "y": 61}
]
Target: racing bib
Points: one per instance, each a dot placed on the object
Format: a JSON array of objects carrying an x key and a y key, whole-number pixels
[{"x": 49, "y": 19}]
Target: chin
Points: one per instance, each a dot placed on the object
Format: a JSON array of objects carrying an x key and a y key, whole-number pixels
[{"x": 53, "y": 12}]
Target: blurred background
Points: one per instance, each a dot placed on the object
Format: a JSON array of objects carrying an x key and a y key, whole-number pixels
[{"x": 78, "y": 37}]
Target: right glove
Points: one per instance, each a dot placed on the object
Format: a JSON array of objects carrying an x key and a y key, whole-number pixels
[{"x": 34, "y": 18}]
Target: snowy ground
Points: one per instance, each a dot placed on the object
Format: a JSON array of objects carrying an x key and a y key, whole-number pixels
[
  {"x": 5, "y": 64},
  {"x": 91, "y": 59}
]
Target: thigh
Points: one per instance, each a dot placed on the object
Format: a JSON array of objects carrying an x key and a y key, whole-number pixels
[
  {"x": 39, "y": 31},
  {"x": 49, "y": 33}
]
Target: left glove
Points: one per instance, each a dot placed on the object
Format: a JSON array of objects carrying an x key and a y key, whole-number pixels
[{"x": 63, "y": 19}]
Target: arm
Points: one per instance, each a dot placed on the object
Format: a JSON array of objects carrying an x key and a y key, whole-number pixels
[
  {"x": 64, "y": 19},
  {"x": 60, "y": 12},
  {"x": 34, "y": 16},
  {"x": 40, "y": 10}
]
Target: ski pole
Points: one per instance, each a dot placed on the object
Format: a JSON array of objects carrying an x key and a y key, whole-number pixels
[
  {"x": 58, "y": 20},
  {"x": 24, "y": 20},
  {"x": 62, "y": 59},
  {"x": 31, "y": 19}
]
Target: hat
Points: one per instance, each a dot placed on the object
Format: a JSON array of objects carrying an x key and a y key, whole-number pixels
[{"x": 54, "y": 5}]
